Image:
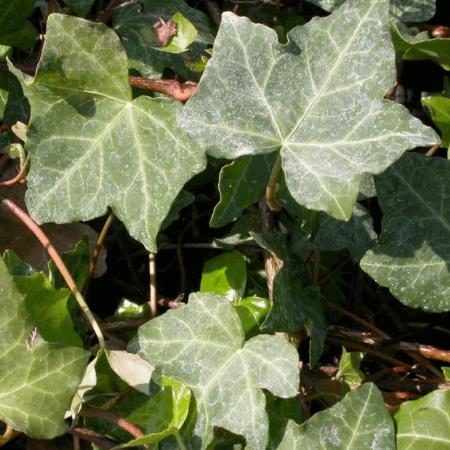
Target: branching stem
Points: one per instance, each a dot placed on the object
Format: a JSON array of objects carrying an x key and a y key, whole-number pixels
[{"x": 271, "y": 190}]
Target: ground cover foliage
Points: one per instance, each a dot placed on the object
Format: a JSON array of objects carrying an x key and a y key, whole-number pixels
[{"x": 224, "y": 224}]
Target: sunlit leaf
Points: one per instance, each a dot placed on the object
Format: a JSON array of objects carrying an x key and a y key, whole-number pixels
[
  {"x": 424, "y": 423},
  {"x": 318, "y": 100},
  {"x": 359, "y": 421},
  {"x": 37, "y": 379},
  {"x": 108, "y": 150},
  {"x": 202, "y": 344}
]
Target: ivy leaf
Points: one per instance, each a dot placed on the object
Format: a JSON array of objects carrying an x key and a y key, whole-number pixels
[
  {"x": 358, "y": 421},
  {"x": 225, "y": 275},
  {"x": 241, "y": 183},
  {"x": 349, "y": 371},
  {"x": 134, "y": 25},
  {"x": 439, "y": 108},
  {"x": 424, "y": 423},
  {"x": 318, "y": 100},
  {"x": 15, "y": 30},
  {"x": 357, "y": 235},
  {"x": 108, "y": 150},
  {"x": 13, "y": 105},
  {"x": 41, "y": 377},
  {"x": 405, "y": 10},
  {"x": 418, "y": 46},
  {"x": 294, "y": 305},
  {"x": 252, "y": 312},
  {"x": 412, "y": 256},
  {"x": 202, "y": 345}
]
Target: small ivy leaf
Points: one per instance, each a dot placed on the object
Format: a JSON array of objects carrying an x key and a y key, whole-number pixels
[
  {"x": 439, "y": 108},
  {"x": 91, "y": 145},
  {"x": 15, "y": 30},
  {"x": 412, "y": 256},
  {"x": 359, "y": 421},
  {"x": 41, "y": 377},
  {"x": 202, "y": 345},
  {"x": 294, "y": 305},
  {"x": 252, "y": 312},
  {"x": 225, "y": 275},
  {"x": 13, "y": 105},
  {"x": 241, "y": 183},
  {"x": 405, "y": 10},
  {"x": 424, "y": 423},
  {"x": 185, "y": 35},
  {"x": 134, "y": 25},
  {"x": 317, "y": 100},
  {"x": 349, "y": 371},
  {"x": 418, "y": 46}
]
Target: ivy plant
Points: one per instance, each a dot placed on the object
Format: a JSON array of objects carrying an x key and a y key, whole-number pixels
[{"x": 224, "y": 225}]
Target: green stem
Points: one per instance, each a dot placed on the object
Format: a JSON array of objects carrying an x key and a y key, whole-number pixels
[
  {"x": 271, "y": 186},
  {"x": 179, "y": 441}
]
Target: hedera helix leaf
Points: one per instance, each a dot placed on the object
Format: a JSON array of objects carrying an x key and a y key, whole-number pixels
[
  {"x": 318, "y": 100},
  {"x": 424, "y": 423},
  {"x": 81, "y": 7},
  {"x": 412, "y": 257},
  {"x": 415, "y": 46},
  {"x": 37, "y": 379},
  {"x": 359, "y": 421},
  {"x": 14, "y": 28},
  {"x": 202, "y": 345},
  {"x": 91, "y": 145},
  {"x": 405, "y": 10}
]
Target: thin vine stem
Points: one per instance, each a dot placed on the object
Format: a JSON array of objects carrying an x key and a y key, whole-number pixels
[
  {"x": 153, "y": 291},
  {"x": 271, "y": 199},
  {"x": 99, "y": 244},
  {"x": 55, "y": 256},
  {"x": 19, "y": 177}
]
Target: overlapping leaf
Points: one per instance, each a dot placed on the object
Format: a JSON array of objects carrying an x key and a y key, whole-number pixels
[
  {"x": 91, "y": 145},
  {"x": 134, "y": 24},
  {"x": 405, "y": 10},
  {"x": 412, "y": 257},
  {"x": 202, "y": 344},
  {"x": 318, "y": 100},
  {"x": 14, "y": 28},
  {"x": 359, "y": 421},
  {"x": 37, "y": 379},
  {"x": 424, "y": 423},
  {"x": 81, "y": 7}
]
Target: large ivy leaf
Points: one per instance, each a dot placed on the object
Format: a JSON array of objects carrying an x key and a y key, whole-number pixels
[
  {"x": 37, "y": 379},
  {"x": 405, "y": 10},
  {"x": 318, "y": 100},
  {"x": 202, "y": 344},
  {"x": 415, "y": 46},
  {"x": 91, "y": 145},
  {"x": 359, "y": 421},
  {"x": 135, "y": 27},
  {"x": 412, "y": 256},
  {"x": 424, "y": 423}
]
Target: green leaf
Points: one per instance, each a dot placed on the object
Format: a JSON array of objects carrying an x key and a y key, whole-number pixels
[
  {"x": 202, "y": 345},
  {"x": 359, "y": 421},
  {"x": 318, "y": 100},
  {"x": 135, "y": 27},
  {"x": 13, "y": 104},
  {"x": 412, "y": 256},
  {"x": 81, "y": 7},
  {"x": 357, "y": 235},
  {"x": 439, "y": 108},
  {"x": 161, "y": 416},
  {"x": 186, "y": 35},
  {"x": 424, "y": 423},
  {"x": 241, "y": 183},
  {"x": 417, "y": 46},
  {"x": 48, "y": 309},
  {"x": 349, "y": 371},
  {"x": 37, "y": 379},
  {"x": 252, "y": 312},
  {"x": 91, "y": 145},
  {"x": 405, "y": 10},
  {"x": 226, "y": 275},
  {"x": 14, "y": 28},
  {"x": 446, "y": 372},
  {"x": 294, "y": 305}
]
